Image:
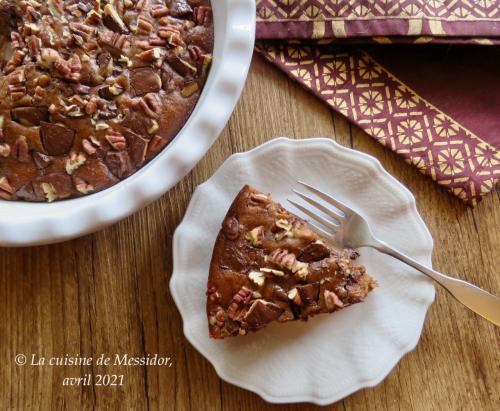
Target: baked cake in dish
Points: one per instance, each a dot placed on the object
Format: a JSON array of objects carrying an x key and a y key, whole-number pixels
[
  {"x": 91, "y": 90},
  {"x": 269, "y": 265}
]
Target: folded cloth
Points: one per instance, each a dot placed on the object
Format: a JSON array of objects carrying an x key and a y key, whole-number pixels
[{"x": 437, "y": 106}]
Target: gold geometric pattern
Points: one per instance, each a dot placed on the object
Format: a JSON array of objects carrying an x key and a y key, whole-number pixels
[
  {"x": 325, "y": 10},
  {"x": 419, "y": 21},
  {"x": 355, "y": 85}
]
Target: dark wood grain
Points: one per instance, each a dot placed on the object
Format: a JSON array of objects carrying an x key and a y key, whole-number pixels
[{"x": 107, "y": 293}]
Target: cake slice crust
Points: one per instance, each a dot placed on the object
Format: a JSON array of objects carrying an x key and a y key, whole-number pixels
[{"x": 269, "y": 265}]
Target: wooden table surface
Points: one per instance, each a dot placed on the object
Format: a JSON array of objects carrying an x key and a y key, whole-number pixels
[{"x": 107, "y": 293}]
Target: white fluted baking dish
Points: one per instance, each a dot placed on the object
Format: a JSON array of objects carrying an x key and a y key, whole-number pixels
[{"x": 23, "y": 223}]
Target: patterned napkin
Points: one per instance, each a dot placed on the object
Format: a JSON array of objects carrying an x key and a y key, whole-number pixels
[{"x": 437, "y": 106}]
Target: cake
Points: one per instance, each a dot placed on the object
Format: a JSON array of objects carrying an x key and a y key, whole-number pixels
[
  {"x": 92, "y": 90},
  {"x": 268, "y": 265}
]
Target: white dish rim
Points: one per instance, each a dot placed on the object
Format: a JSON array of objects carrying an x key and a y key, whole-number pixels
[
  {"x": 307, "y": 398},
  {"x": 28, "y": 224}
]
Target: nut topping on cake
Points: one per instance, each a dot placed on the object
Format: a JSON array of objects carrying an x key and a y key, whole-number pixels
[
  {"x": 260, "y": 278},
  {"x": 77, "y": 77}
]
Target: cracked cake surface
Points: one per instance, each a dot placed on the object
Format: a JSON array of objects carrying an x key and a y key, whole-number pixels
[
  {"x": 91, "y": 90},
  {"x": 269, "y": 265}
]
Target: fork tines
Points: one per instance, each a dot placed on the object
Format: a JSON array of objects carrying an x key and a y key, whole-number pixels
[{"x": 332, "y": 217}]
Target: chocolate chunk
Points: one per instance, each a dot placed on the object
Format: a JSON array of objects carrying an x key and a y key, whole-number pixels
[
  {"x": 95, "y": 173},
  {"x": 119, "y": 163},
  {"x": 137, "y": 148},
  {"x": 143, "y": 81},
  {"x": 105, "y": 93},
  {"x": 136, "y": 122},
  {"x": 309, "y": 293},
  {"x": 182, "y": 65},
  {"x": 180, "y": 8},
  {"x": 27, "y": 193},
  {"x": 231, "y": 327},
  {"x": 314, "y": 252},
  {"x": 262, "y": 313},
  {"x": 8, "y": 19},
  {"x": 41, "y": 160},
  {"x": 104, "y": 58},
  {"x": 57, "y": 139},
  {"x": 279, "y": 294},
  {"x": 231, "y": 228},
  {"x": 30, "y": 116},
  {"x": 55, "y": 186},
  {"x": 114, "y": 25}
]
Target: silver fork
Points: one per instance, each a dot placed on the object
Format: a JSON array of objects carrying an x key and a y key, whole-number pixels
[{"x": 348, "y": 229}]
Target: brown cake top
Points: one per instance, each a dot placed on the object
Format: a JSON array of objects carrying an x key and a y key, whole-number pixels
[
  {"x": 269, "y": 265},
  {"x": 90, "y": 90}
]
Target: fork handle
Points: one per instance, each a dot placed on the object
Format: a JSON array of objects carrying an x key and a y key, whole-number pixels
[{"x": 476, "y": 299}]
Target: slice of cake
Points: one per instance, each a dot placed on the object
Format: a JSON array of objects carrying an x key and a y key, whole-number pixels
[{"x": 269, "y": 265}]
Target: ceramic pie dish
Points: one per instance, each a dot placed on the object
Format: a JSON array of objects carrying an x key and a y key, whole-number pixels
[
  {"x": 23, "y": 223},
  {"x": 331, "y": 356}
]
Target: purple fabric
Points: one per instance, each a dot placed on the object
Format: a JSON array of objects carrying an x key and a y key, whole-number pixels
[{"x": 437, "y": 106}]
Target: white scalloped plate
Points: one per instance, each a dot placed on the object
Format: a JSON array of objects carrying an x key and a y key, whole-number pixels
[
  {"x": 330, "y": 356},
  {"x": 23, "y": 223}
]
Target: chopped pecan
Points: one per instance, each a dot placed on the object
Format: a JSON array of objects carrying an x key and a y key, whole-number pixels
[
  {"x": 21, "y": 150},
  {"x": 151, "y": 105},
  {"x": 144, "y": 25},
  {"x": 259, "y": 199},
  {"x": 332, "y": 300},
  {"x": 282, "y": 258},
  {"x": 116, "y": 140},
  {"x": 90, "y": 146},
  {"x": 75, "y": 161},
  {"x": 4, "y": 150},
  {"x": 257, "y": 277},
  {"x": 150, "y": 55},
  {"x": 212, "y": 294},
  {"x": 238, "y": 307},
  {"x": 83, "y": 31},
  {"x": 6, "y": 190},
  {"x": 202, "y": 15},
  {"x": 294, "y": 295},
  {"x": 83, "y": 186},
  {"x": 255, "y": 236},
  {"x": 189, "y": 89},
  {"x": 217, "y": 317},
  {"x": 55, "y": 186},
  {"x": 159, "y": 10},
  {"x": 156, "y": 144}
]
